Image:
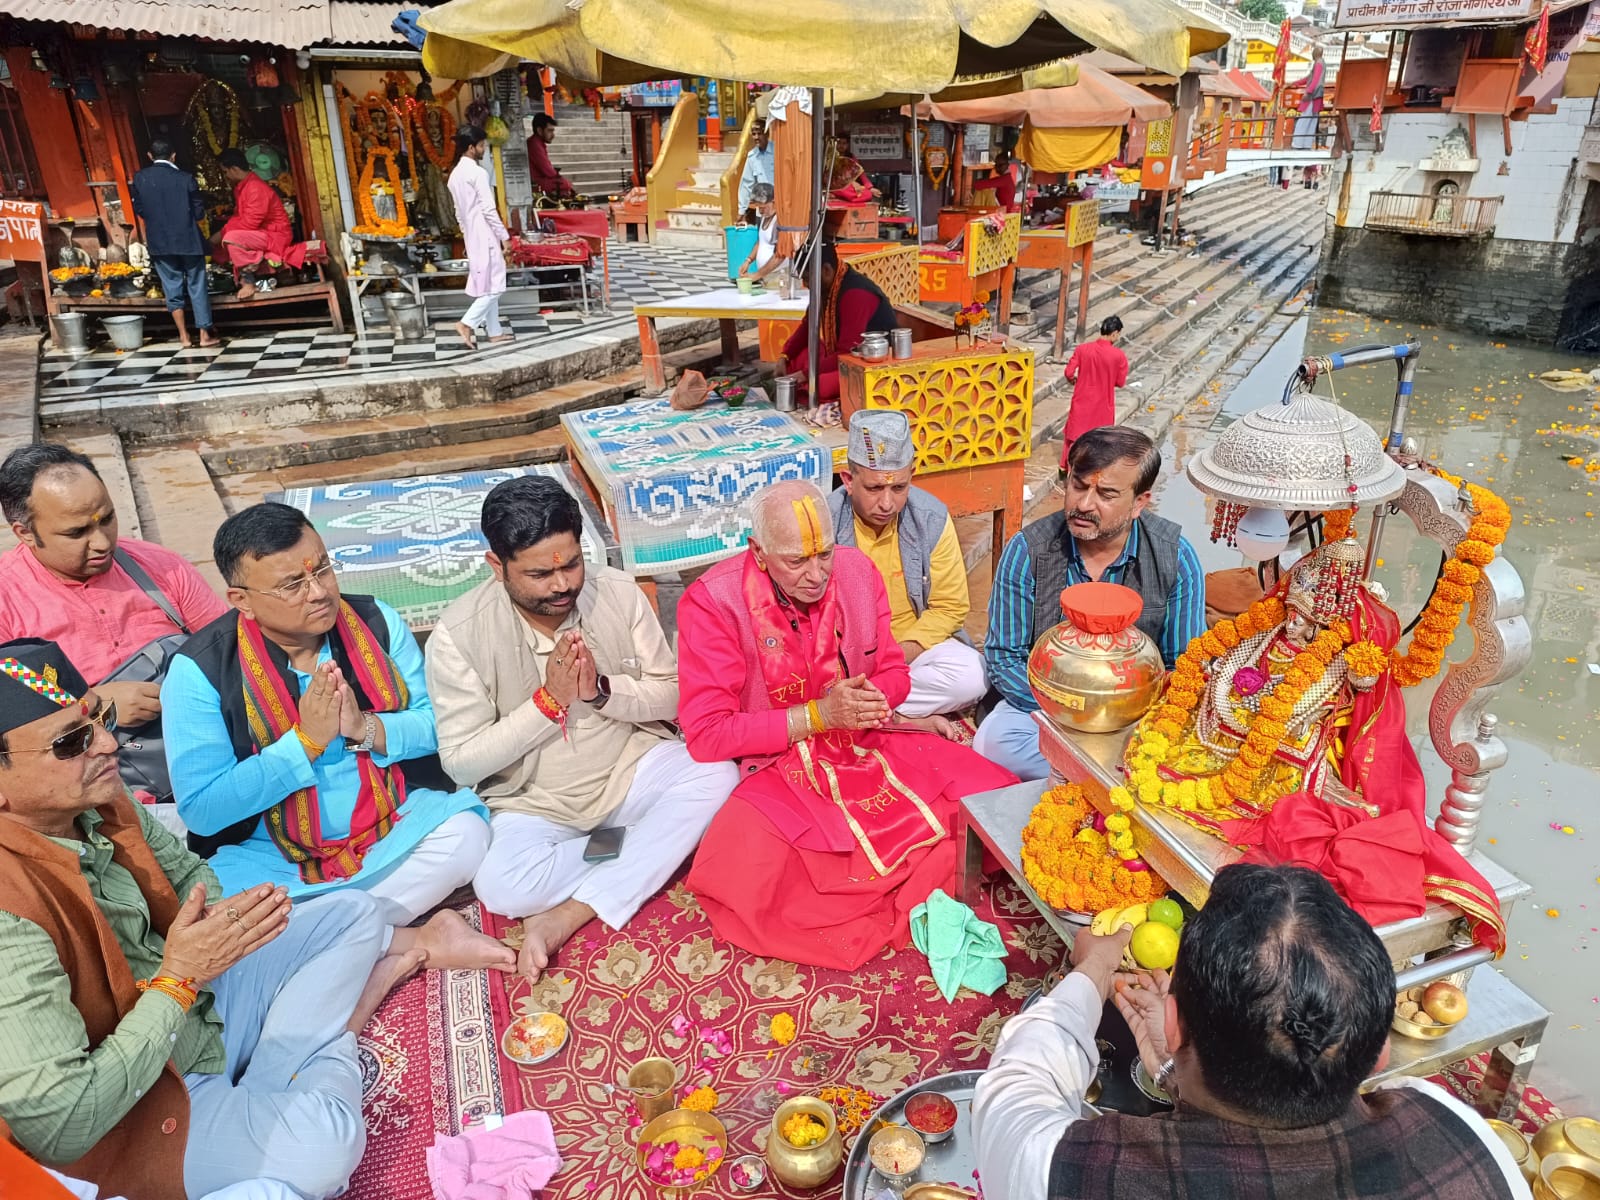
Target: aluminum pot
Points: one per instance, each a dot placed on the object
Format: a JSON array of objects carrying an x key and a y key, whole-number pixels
[
  {"x": 783, "y": 393},
  {"x": 900, "y": 341},
  {"x": 874, "y": 346}
]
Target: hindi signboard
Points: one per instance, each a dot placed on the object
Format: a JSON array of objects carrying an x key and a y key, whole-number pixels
[
  {"x": 877, "y": 143},
  {"x": 1393, "y": 14},
  {"x": 22, "y": 231}
]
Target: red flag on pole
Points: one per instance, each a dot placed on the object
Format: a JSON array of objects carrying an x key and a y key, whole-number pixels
[
  {"x": 1536, "y": 46},
  {"x": 1376, "y": 124},
  {"x": 1280, "y": 58}
]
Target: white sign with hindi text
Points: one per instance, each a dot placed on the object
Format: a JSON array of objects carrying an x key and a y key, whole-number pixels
[
  {"x": 1389, "y": 14},
  {"x": 877, "y": 142}
]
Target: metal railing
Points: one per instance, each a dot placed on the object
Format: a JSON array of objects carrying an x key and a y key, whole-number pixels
[{"x": 1434, "y": 216}]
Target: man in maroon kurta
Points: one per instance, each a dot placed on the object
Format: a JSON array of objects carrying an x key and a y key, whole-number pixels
[
  {"x": 851, "y": 305},
  {"x": 540, "y": 169},
  {"x": 1097, "y": 369},
  {"x": 842, "y": 821}
]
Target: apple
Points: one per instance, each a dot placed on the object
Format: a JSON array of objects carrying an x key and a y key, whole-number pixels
[{"x": 1445, "y": 1003}]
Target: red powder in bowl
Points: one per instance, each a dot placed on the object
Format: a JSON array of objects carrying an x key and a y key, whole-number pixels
[{"x": 931, "y": 1112}]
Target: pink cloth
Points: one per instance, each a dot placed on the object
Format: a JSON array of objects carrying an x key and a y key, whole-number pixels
[
  {"x": 481, "y": 228},
  {"x": 509, "y": 1163},
  {"x": 1099, "y": 369},
  {"x": 101, "y": 622}
]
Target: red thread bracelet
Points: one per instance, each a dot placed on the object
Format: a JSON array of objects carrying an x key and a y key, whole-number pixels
[{"x": 546, "y": 704}]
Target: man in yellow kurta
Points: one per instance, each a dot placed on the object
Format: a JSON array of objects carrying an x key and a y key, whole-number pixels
[{"x": 910, "y": 538}]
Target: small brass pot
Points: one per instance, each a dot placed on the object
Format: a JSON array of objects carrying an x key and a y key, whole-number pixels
[
  {"x": 1521, "y": 1150},
  {"x": 1567, "y": 1177},
  {"x": 1575, "y": 1135},
  {"x": 804, "y": 1166},
  {"x": 1094, "y": 682},
  {"x": 654, "y": 1083}
]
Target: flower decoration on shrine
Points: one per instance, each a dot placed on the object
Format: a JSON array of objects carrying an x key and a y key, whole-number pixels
[
  {"x": 423, "y": 119},
  {"x": 68, "y": 274},
  {"x": 1080, "y": 862},
  {"x": 369, "y": 189}
]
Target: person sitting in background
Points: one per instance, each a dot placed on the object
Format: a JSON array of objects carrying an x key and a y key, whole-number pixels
[
  {"x": 842, "y": 820},
  {"x": 999, "y": 181},
  {"x": 554, "y": 687},
  {"x": 304, "y": 756},
  {"x": 161, "y": 1037},
  {"x": 167, "y": 199},
  {"x": 258, "y": 234},
  {"x": 1277, "y": 1011},
  {"x": 848, "y": 183},
  {"x": 851, "y": 305},
  {"x": 1103, "y": 532},
  {"x": 1096, "y": 370},
  {"x": 73, "y": 580},
  {"x": 543, "y": 172},
  {"x": 764, "y": 258},
  {"x": 911, "y": 539},
  {"x": 758, "y": 167}
]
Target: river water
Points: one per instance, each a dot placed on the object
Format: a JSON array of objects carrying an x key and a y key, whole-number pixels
[{"x": 1479, "y": 412}]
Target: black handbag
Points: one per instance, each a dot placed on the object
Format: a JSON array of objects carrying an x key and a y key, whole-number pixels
[{"x": 142, "y": 758}]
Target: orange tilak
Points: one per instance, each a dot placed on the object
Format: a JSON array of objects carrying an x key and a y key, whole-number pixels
[{"x": 810, "y": 523}]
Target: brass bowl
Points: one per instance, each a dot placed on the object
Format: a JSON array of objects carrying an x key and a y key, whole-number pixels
[
  {"x": 1575, "y": 1135},
  {"x": 1521, "y": 1150},
  {"x": 687, "y": 1126},
  {"x": 901, "y": 1138},
  {"x": 938, "y": 1191},
  {"x": 804, "y": 1166},
  {"x": 1567, "y": 1177},
  {"x": 1414, "y": 1029}
]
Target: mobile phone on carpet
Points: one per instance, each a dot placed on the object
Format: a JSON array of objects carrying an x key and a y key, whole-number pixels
[{"x": 604, "y": 844}]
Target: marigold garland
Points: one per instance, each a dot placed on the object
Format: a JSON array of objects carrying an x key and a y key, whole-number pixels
[
  {"x": 1073, "y": 867},
  {"x": 1366, "y": 660},
  {"x": 1336, "y": 525},
  {"x": 371, "y": 224},
  {"x": 1436, "y": 627},
  {"x": 441, "y": 154},
  {"x": 1153, "y": 743}
]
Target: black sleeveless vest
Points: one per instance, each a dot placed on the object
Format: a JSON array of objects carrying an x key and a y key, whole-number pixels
[{"x": 1153, "y": 573}]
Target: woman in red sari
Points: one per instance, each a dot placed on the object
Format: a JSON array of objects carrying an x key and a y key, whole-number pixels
[{"x": 842, "y": 822}]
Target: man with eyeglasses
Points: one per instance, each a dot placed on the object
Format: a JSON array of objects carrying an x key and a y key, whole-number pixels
[
  {"x": 305, "y": 756},
  {"x": 136, "y": 992}
]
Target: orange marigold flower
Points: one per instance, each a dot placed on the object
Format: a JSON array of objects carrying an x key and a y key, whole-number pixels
[{"x": 1479, "y": 554}]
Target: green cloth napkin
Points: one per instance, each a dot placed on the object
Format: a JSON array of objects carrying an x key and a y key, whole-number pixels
[{"x": 962, "y": 950}]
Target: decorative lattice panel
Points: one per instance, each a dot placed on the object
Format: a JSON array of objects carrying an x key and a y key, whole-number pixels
[
  {"x": 894, "y": 270},
  {"x": 989, "y": 251},
  {"x": 965, "y": 411},
  {"x": 1158, "y": 140},
  {"x": 1083, "y": 222}
]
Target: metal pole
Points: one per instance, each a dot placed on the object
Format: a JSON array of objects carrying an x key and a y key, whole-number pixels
[
  {"x": 814, "y": 309},
  {"x": 916, "y": 171}
]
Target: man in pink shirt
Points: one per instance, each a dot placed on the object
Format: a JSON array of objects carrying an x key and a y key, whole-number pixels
[
  {"x": 1097, "y": 369},
  {"x": 64, "y": 583}
]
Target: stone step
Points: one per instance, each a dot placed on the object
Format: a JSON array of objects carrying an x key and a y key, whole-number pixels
[
  {"x": 695, "y": 217},
  {"x": 707, "y": 179},
  {"x": 179, "y": 506},
  {"x": 699, "y": 197},
  {"x": 104, "y": 449},
  {"x": 276, "y": 449},
  {"x": 689, "y": 239}
]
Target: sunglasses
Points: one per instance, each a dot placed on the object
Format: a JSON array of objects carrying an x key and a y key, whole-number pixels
[{"x": 76, "y": 742}]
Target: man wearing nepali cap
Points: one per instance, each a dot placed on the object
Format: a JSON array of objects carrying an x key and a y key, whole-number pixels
[
  {"x": 841, "y": 823},
  {"x": 910, "y": 538},
  {"x": 134, "y": 994}
]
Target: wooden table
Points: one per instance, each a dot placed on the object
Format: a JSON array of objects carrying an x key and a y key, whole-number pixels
[
  {"x": 971, "y": 414},
  {"x": 323, "y": 291},
  {"x": 728, "y": 305},
  {"x": 1502, "y": 1018}
]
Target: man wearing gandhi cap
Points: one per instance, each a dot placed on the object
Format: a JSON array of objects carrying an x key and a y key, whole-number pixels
[
  {"x": 135, "y": 996},
  {"x": 841, "y": 822},
  {"x": 910, "y": 538}
]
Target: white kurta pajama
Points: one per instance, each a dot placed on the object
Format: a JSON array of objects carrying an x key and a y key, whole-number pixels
[
  {"x": 615, "y": 766},
  {"x": 483, "y": 233}
]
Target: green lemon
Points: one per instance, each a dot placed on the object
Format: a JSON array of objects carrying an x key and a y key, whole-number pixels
[
  {"x": 1155, "y": 946},
  {"x": 1168, "y": 912}
]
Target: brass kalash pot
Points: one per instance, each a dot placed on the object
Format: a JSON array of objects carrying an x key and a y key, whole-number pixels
[{"x": 1096, "y": 672}]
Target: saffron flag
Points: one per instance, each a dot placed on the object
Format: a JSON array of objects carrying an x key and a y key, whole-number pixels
[
  {"x": 1536, "y": 46},
  {"x": 1280, "y": 57}
]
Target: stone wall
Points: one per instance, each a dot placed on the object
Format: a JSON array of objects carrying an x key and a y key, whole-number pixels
[{"x": 1514, "y": 289}]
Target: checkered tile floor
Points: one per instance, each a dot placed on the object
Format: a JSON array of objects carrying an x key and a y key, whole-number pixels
[{"x": 639, "y": 274}]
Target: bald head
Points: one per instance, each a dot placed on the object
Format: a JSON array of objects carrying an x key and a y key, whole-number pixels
[{"x": 792, "y": 539}]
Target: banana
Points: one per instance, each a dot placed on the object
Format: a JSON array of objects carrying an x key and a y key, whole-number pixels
[
  {"x": 1134, "y": 914},
  {"x": 1102, "y": 925}
]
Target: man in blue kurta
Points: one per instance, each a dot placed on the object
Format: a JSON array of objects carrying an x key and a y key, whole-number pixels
[{"x": 302, "y": 742}]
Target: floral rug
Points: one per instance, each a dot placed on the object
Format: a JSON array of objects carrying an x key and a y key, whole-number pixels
[{"x": 664, "y": 986}]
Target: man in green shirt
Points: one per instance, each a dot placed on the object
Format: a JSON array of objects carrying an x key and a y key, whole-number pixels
[{"x": 156, "y": 1038}]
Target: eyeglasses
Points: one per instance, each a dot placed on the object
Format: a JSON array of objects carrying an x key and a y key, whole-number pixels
[
  {"x": 296, "y": 591},
  {"x": 76, "y": 742}
]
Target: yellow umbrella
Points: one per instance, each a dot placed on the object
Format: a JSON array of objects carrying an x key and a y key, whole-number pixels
[{"x": 911, "y": 46}]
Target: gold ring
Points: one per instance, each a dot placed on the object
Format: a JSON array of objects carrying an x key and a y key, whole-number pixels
[{"x": 232, "y": 914}]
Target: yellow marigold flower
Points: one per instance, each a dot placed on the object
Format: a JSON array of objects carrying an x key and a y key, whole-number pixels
[
  {"x": 783, "y": 1029},
  {"x": 688, "y": 1158},
  {"x": 702, "y": 1099},
  {"x": 1121, "y": 797},
  {"x": 1117, "y": 823}
]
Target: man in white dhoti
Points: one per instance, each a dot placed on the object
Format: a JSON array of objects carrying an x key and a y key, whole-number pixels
[
  {"x": 553, "y": 686},
  {"x": 910, "y": 538},
  {"x": 483, "y": 234}
]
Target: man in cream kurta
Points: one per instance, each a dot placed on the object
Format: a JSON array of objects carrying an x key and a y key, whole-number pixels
[{"x": 552, "y": 686}]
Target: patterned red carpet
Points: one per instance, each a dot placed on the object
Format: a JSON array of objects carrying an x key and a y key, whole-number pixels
[{"x": 664, "y": 986}]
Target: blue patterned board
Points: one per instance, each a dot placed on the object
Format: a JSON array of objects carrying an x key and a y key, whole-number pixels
[
  {"x": 680, "y": 483},
  {"x": 415, "y": 543}
]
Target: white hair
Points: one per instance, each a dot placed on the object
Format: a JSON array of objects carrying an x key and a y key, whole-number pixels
[{"x": 772, "y": 514}]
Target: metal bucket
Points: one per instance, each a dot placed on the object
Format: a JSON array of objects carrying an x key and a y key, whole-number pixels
[
  {"x": 69, "y": 332},
  {"x": 407, "y": 317},
  {"x": 783, "y": 393},
  {"x": 126, "y": 333},
  {"x": 900, "y": 342}
]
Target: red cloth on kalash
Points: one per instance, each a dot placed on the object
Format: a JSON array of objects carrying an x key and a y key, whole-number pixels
[
  {"x": 1386, "y": 867},
  {"x": 826, "y": 846}
]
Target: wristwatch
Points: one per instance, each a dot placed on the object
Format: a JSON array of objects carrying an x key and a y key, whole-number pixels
[
  {"x": 602, "y": 694},
  {"x": 370, "y": 732}
]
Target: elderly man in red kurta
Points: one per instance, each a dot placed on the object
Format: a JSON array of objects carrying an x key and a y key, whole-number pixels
[
  {"x": 842, "y": 820},
  {"x": 259, "y": 229}
]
